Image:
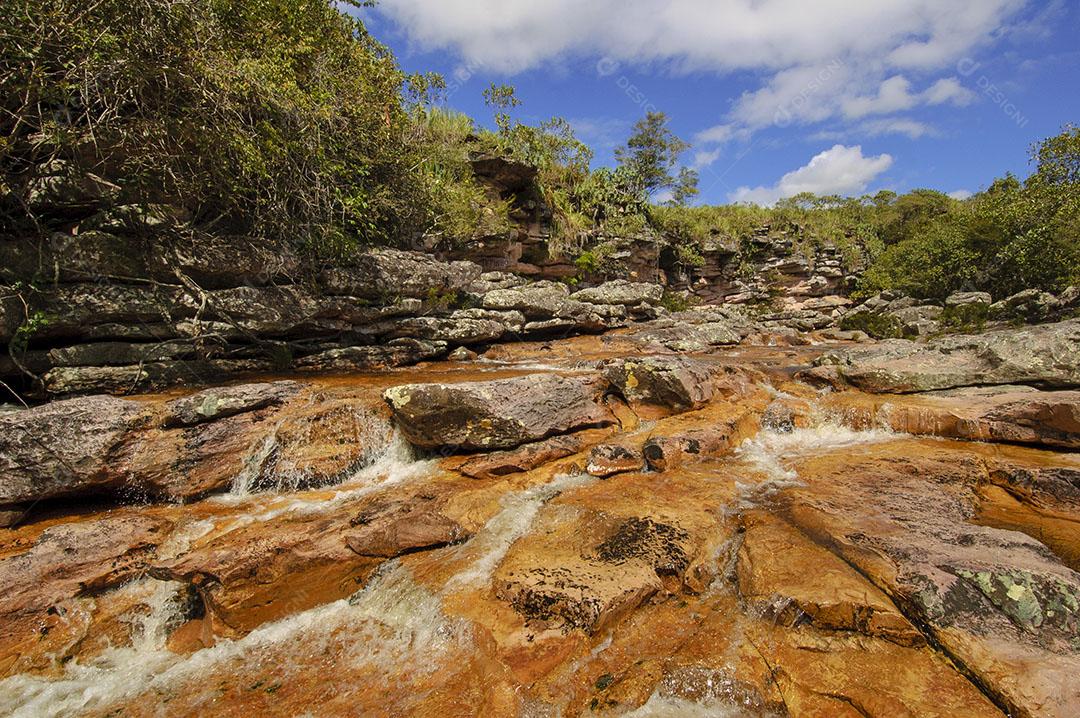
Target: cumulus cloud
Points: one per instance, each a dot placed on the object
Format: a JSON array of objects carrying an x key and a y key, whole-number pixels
[
  {"x": 961, "y": 194},
  {"x": 845, "y": 61},
  {"x": 840, "y": 170},
  {"x": 724, "y": 35}
]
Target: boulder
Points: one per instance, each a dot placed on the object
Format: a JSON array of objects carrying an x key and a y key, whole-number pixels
[
  {"x": 540, "y": 300},
  {"x": 64, "y": 448},
  {"x": 961, "y": 299},
  {"x": 672, "y": 383},
  {"x": 1047, "y": 355},
  {"x": 610, "y": 459},
  {"x": 620, "y": 291},
  {"x": 498, "y": 414},
  {"x": 524, "y": 458},
  {"x": 219, "y": 402}
]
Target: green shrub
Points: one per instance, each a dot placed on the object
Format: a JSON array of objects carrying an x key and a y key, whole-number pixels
[
  {"x": 966, "y": 317},
  {"x": 876, "y": 324}
]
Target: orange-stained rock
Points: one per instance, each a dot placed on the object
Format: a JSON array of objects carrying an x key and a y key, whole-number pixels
[
  {"x": 1009, "y": 414},
  {"x": 787, "y": 577},
  {"x": 999, "y": 602}
]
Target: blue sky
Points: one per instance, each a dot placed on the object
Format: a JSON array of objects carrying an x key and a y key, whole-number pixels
[{"x": 777, "y": 96}]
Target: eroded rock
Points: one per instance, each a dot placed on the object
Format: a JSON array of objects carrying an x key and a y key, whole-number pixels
[{"x": 498, "y": 414}]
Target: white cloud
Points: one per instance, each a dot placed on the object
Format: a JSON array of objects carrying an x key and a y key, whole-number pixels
[
  {"x": 961, "y": 194},
  {"x": 948, "y": 90},
  {"x": 722, "y": 35},
  {"x": 704, "y": 158},
  {"x": 840, "y": 170}
]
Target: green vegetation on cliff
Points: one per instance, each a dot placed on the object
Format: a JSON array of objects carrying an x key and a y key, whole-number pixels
[{"x": 287, "y": 120}]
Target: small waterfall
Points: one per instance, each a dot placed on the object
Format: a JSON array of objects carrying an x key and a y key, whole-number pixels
[
  {"x": 275, "y": 463},
  {"x": 517, "y": 513},
  {"x": 660, "y": 706},
  {"x": 115, "y": 674},
  {"x": 769, "y": 454},
  {"x": 392, "y": 625}
]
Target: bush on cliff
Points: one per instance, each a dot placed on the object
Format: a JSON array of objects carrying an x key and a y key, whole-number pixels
[{"x": 277, "y": 118}]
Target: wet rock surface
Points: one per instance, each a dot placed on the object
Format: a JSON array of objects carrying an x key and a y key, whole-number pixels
[
  {"x": 494, "y": 415},
  {"x": 591, "y": 525}
]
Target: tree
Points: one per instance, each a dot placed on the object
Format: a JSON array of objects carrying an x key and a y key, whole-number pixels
[{"x": 651, "y": 156}]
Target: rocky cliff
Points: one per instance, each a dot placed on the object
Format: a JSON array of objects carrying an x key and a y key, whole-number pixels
[{"x": 125, "y": 299}]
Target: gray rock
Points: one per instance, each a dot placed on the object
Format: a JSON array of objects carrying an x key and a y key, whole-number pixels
[
  {"x": 960, "y": 299},
  {"x": 490, "y": 281},
  {"x": 498, "y": 414},
  {"x": 64, "y": 381},
  {"x": 219, "y": 402},
  {"x": 398, "y": 352},
  {"x": 675, "y": 383},
  {"x": 116, "y": 353},
  {"x": 61, "y": 190},
  {"x": 1047, "y": 355},
  {"x": 63, "y": 448},
  {"x": 621, "y": 292},
  {"x": 386, "y": 273},
  {"x": 540, "y": 300}
]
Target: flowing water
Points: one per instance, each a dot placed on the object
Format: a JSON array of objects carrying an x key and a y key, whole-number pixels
[{"x": 445, "y": 630}]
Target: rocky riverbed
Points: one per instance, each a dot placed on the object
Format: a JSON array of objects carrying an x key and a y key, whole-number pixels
[{"x": 652, "y": 521}]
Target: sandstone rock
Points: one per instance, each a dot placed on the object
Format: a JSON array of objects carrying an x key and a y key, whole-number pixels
[
  {"x": 672, "y": 383},
  {"x": 960, "y": 299},
  {"x": 610, "y": 459},
  {"x": 455, "y": 329},
  {"x": 622, "y": 292},
  {"x": 524, "y": 458},
  {"x": 225, "y": 261},
  {"x": 74, "y": 310},
  {"x": 540, "y": 300},
  {"x": 680, "y": 336},
  {"x": 77, "y": 558},
  {"x": 12, "y": 514},
  {"x": 389, "y": 530},
  {"x": 66, "y": 381},
  {"x": 85, "y": 257},
  {"x": 503, "y": 173},
  {"x": 1006, "y": 414},
  {"x": 489, "y": 281},
  {"x": 117, "y": 353},
  {"x": 496, "y": 414},
  {"x": 61, "y": 190},
  {"x": 1043, "y": 355},
  {"x": 998, "y": 602},
  {"x": 386, "y": 273},
  {"x": 217, "y": 403},
  {"x": 773, "y": 576},
  {"x": 461, "y": 354},
  {"x": 398, "y": 352},
  {"x": 65, "y": 447}
]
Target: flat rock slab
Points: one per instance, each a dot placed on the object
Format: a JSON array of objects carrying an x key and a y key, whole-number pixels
[
  {"x": 1020, "y": 415},
  {"x": 498, "y": 414},
  {"x": 1046, "y": 355}
]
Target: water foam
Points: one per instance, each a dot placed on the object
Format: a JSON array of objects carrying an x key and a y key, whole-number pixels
[
  {"x": 391, "y": 624},
  {"x": 515, "y": 517}
]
